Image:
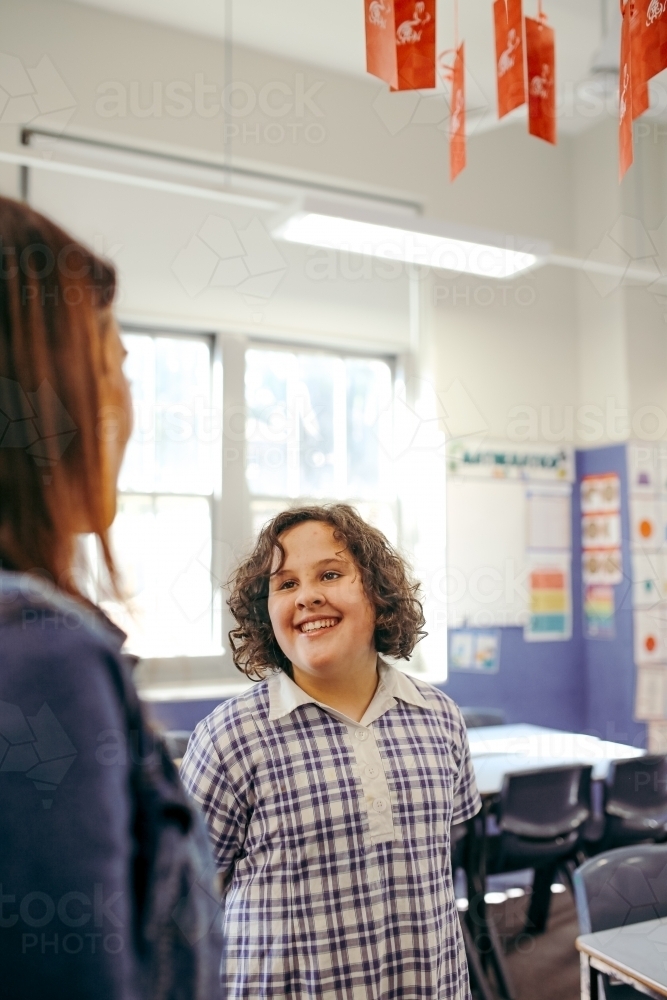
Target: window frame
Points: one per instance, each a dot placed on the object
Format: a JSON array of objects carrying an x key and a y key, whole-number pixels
[{"x": 230, "y": 500}]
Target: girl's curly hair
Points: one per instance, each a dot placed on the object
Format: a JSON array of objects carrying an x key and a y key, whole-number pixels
[{"x": 399, "y": 615}]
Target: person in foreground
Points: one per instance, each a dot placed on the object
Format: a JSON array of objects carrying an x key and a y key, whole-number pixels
[
  {"x": 331, "y": 786},
  {"x": 104, "y": 888}
]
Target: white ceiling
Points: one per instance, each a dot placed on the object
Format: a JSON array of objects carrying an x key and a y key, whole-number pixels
[{"x": 330, "y": 34}]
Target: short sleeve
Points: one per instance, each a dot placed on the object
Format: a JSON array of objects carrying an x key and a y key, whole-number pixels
[
  {"x": 225, "y": 811},
  {"x": 467, "y": 801}
]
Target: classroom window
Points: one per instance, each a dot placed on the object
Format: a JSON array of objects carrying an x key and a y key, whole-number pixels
[
  {"x": 162, "y": 535},
  {"x": 319, "y": 427}
]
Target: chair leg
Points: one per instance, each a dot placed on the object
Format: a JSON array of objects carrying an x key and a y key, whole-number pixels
[
  {"x": 477, "y": 975},
  {"x": 540, "y": 900}
]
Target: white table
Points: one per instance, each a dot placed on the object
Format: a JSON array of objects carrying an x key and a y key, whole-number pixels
[
  {"x": 635, "y": 954},
  {"x": 500, "y": 750}
]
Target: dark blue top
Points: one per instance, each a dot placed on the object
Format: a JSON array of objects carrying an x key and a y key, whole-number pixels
[{"x": 66, "y": 846}]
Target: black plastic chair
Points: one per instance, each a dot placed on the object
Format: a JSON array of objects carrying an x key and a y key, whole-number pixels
[
  {"x": 540, "y": 816},
  {"x": 635, "y": 803},
  {"x": 176, "y": 741},
  {"x": 475, "y": 718},
  {"x": 624, "y": 886}
]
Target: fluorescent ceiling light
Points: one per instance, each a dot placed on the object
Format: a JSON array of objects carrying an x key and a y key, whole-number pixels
[{"x": 413, "y": 240}]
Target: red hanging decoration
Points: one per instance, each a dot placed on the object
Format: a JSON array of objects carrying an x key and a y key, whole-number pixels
[
  {"x": 652, "y": 29},
  {"x": 380, "y": 46},
  {"x": 541, "y": 67},
  {"x": 400, "y": 42},
  {"x": 454, "y": 73},
  {"x": 639, "y": 80},
  {"x": 508, "y": 21},
  {"x": 625, "y": 93},
  {"x": 457, "y": 125}
]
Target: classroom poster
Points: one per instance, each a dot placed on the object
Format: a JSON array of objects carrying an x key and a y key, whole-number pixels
[
  {"x": 599, "y": 612},
  {"x": 477, "y": 651},
  {"x": 550, "y": 616}
]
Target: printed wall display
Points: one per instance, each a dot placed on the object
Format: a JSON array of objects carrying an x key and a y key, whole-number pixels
[
  {"x": 477, "y": 650},
  {"x": 550, "y": 603},
  {"x": 602, "y": 566},
  {"x": 599, "y": 611},
  {"x": 601, "y": 494}
]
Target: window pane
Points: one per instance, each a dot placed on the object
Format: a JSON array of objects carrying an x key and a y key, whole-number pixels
[
  {"x": 163, "y": 547},
  {"x": 262, "y": 511},
  {"x": 171, "y": 446},
  {"x": 314, "y": 397},
  {"x": 268, "y": 431},
  {"x": 368, "y": 427}
]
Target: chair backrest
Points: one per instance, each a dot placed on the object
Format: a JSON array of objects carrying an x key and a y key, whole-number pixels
[
  {"x": 619, "y": 887},
  {"x": 475, "y": 718},
  {"x": 176, "y": 741},
  {"x": 636, "y": 792},
  {"x": 545, "y": 804}
]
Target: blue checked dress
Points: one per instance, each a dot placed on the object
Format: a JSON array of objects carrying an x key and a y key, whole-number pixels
[{"x": 333, "y": 839}]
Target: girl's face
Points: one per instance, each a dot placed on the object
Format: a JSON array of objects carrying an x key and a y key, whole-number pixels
[{"x": 319, "y": 610}]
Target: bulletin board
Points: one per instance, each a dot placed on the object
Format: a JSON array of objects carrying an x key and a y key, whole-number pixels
[
  {"x": 487, "y": 560},
  {"x": 509, "y": 538}
]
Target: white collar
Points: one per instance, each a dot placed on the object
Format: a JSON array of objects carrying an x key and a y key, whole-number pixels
[{"x": 285, "y": 696}]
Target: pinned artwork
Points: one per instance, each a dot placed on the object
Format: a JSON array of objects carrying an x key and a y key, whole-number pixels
[
  {"x": 400, "y": 42},
  {"x": 645, "y": 527},
  {"x": 600, "y": 494},
  {"x": 643, "y": 468},
  {"x": 649, "y": 639},
  {"x": 599, "y": 612},
  {"x": 602, "y": 566},
  {"x": 601, "y": 531},
  {"x": 647, "y": 579},
  {"x": 510, "y": 76},
  {"x": 541, "y": 66},
  {"x": 477, "y": 651},
  {"x": 549, "y": 585},
  {"x": 651, "y": 693}
]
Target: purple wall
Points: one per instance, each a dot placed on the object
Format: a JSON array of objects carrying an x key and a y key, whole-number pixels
[{"x": 585, "y": 684}]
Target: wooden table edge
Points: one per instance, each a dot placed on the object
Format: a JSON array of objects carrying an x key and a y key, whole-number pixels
[{"x": 626, "y": 970}]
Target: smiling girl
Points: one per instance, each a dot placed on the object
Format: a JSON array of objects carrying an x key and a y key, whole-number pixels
[{"x": 330, "y": 788}]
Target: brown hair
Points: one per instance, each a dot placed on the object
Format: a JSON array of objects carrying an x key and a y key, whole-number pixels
[
  {"x": 53, "y": 293},
  {"x": 385, "y": 576}
]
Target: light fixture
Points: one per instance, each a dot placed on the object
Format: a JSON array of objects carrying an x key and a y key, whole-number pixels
[{"x": 409, "y": 239}]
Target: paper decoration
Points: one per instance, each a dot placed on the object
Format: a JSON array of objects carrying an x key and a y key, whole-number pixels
[
  {"x": 647, "y": 579},
  {"x": 649, "y": 637},
  {"x": 549, "y": 517},
  {"x": 640, "y": 93},
  {"x": 625, "y": 155},
  {"x": 476, "y": 651},
  {"x": 643, "y": 468},
  {"x": 651, "y": 693},
  {"x": 652, "y": 44},
  {"x": 657, "y": 737},
  {"x": 508, "y": 22},
  {"x": 600, "y": 494},
  {"x": 645, "y": 523},
  {"x": 599, "y": 612},
  {"x": 541, "y": 67},
  {"x": 602, "y": 566},
  {"x": 550, "y": 611},
  {"x": 400, "y": 42},
  {"x": 457, "y": 127},
  {"x": 484, "y": 459},
  {"x": 601, "y": 531}
]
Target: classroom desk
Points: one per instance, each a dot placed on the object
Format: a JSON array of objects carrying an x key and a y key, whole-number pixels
[
  {"x": 500, "y": 750},
  {"x": 636, "y": 954}
]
